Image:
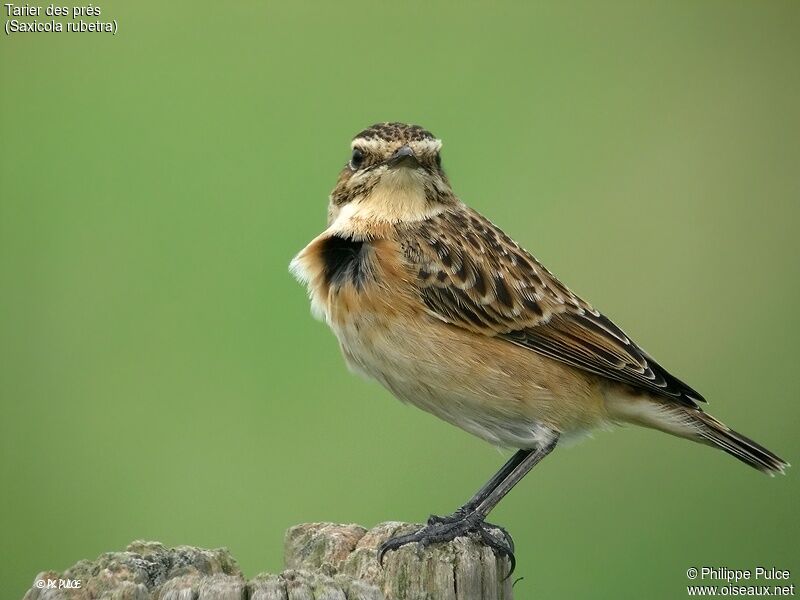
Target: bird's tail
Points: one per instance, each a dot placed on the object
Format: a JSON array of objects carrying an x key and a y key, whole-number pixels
[
  {"x": 694, "y": 424},
  {"x": 719, "y": 435}
]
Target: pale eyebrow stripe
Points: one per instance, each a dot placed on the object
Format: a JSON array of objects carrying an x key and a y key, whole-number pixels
[
  {"x": 429, "y": 145},
  {"x": 379, "y": 145},
  {"x": 374, "y": 144}
]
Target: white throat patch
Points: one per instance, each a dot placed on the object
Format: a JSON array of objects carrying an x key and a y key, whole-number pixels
[{"x": 399, "y": 196}]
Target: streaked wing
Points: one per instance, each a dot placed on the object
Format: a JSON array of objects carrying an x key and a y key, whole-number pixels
[{"x": 472, "y": 275}]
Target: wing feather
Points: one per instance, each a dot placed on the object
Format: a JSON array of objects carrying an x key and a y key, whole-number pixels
[{"x": 472, "y": 275}]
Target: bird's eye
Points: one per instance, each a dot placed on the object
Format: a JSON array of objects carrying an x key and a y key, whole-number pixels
[
  {"x": 438, "y": 160},
  {"x": 357, "y": 159}
]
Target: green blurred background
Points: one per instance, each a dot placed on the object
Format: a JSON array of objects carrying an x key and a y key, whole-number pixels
[{"x": 161, "y": 376}]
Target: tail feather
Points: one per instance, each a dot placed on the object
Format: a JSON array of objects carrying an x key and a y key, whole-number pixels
[
  {"x": 694, "y": 424},
  {"x": 751, "y": 453}
]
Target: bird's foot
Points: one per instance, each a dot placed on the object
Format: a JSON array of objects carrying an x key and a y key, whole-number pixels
[
  {"x": 461, "y": 514},
  {"x": 446, "y": 529},
  {"x": 451, "y": 518}
]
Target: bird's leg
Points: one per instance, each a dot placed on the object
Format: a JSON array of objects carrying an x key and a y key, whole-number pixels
[
  {"x": 475, "y": 511},
  {"x": 482, "y": 493}
]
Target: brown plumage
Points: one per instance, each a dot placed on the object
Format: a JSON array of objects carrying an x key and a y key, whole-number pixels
[
  {"x": 450, "y": 314},
  {"x": 491, "y": 286}
]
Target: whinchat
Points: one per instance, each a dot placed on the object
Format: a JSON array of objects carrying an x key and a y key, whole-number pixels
[{"x": 450, "y": 314}]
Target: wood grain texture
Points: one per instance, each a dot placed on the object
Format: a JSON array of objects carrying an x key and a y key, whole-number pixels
[{"x": 324, "y": 561}]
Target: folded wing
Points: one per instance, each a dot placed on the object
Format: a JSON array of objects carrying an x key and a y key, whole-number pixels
[{"x": 472, "y": 275}]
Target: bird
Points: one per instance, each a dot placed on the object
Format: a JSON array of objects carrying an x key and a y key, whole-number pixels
[{"x": 447, "y": 312}]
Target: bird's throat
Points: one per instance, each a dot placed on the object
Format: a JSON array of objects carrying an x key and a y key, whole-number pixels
[{"x": 399, "y": 197}]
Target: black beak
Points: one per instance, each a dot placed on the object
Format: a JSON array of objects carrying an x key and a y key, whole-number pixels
[{"x": 404, "y": 156}]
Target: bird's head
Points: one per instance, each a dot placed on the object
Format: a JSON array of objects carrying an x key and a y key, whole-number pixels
[{"x": 394, "y": 174}]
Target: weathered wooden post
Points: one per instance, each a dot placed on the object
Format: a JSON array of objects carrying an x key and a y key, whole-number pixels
[{"x": 324, "y": 561}]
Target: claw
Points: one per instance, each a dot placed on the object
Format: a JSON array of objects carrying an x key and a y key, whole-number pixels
[
  {"x": 445, "y": 529},
  {"x": 506, "y": 535},
  {"x": 381, "y": 551},
  {"x": 506, "y": 548},
  {"x": 397, "y": 542}
]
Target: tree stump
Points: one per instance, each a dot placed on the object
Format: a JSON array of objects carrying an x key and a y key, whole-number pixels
[{"x": 324, "y": 561}]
